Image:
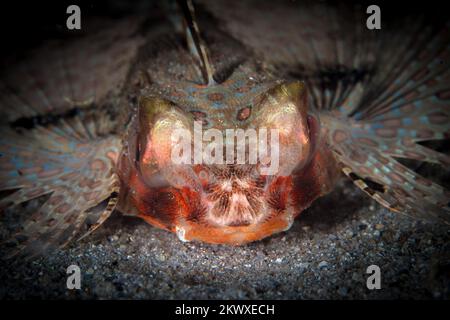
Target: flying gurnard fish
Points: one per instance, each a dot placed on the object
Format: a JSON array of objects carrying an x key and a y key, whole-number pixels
[{"x": 87, "y": 122}]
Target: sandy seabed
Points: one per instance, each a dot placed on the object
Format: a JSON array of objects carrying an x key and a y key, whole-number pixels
[{"x": 323, "y": 256}]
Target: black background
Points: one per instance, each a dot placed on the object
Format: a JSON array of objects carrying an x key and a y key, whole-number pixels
[{"x": 24, "y": 24}]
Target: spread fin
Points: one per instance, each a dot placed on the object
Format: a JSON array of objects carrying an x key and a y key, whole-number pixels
[
  {"x": 380, "y": 93},
  {"x": 57, "y": 135},
  {"x": 386, "y": 119},
  {"x": 73, "y": 162}
]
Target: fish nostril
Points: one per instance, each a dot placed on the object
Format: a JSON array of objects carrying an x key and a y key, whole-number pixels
[
  {"x": 244, "y": 113},
  {"x": 200, "y": 116}
]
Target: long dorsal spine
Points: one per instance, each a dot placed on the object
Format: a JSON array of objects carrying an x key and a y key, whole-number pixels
[{"x": 195, "y": 41}]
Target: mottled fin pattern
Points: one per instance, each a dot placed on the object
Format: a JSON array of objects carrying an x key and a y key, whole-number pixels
[
  {"x": 380, "y": 93},
  {"x": 105, "y": 212},
  {"x": 404, "y": 103},
  {"x": 72, "y": 162},
  {"x": 60, "y": 105},
  {"x": 62, "y": 74}
]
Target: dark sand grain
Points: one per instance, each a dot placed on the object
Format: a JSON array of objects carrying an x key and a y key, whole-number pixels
[{"x": 324, "y": 255}]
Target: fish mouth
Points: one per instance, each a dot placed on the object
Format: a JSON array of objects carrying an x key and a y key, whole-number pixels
[
  {"x": 233, "y": 195},
  {"x": 235, "y": 206}
]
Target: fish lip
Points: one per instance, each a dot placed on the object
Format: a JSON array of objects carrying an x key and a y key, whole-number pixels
[{"x": 234, "y": 235}]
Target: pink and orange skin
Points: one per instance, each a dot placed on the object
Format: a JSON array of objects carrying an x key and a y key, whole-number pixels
[{"x": 225, "y": 204}]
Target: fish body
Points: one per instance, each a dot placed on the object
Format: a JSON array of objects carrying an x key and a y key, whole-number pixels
[
  {"x": 222, "y": 202},
  {"x": 341, "y": 98}
]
